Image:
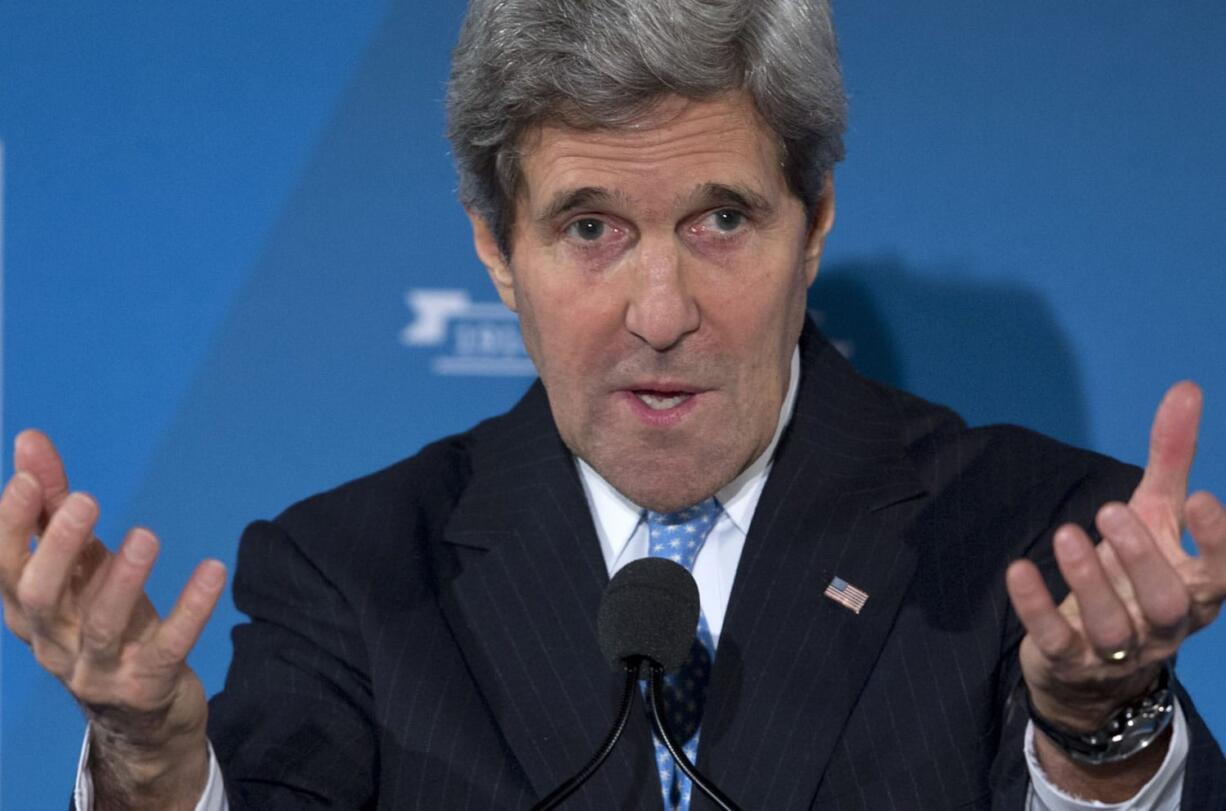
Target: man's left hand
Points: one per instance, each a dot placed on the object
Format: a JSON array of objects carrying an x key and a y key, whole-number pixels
[{"x": 1136, "y": 596}]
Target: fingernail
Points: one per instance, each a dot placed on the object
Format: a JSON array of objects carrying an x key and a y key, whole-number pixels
[
  {"x": 25, "y": 485},
  {"x": 140, "y": 548},
  {"x": 1112, "y": 516},
  {"x": 212, "y": 574},
  {"x": 78, "y": 509},
  {"x": 1067, "y": 546}
]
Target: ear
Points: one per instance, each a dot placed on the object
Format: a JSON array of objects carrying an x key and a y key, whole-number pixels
[
  {"x": 496, "y": 264},
  {"x": 819, "y": 229}
]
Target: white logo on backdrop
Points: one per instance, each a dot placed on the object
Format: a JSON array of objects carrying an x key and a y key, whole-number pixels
[{"x": 470, "y": 338}]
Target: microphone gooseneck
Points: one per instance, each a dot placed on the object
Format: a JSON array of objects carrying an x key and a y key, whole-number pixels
[
  {"x": 658, "y": 722},
  {"x": 647, "y": 615},
  {"x": 555, "y": 798}
]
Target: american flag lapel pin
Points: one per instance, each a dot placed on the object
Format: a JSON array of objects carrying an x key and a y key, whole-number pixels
[{"x": 846, "y": 595}]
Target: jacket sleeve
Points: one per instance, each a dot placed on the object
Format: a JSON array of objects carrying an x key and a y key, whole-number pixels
[{"x": 292, "y": 727}]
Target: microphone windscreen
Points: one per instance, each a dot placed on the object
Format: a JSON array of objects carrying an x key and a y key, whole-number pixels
[{"x": 649, "y": 609}]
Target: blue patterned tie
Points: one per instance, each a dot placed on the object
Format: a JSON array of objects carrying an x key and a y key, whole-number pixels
[{"x": 679, "y": 536}]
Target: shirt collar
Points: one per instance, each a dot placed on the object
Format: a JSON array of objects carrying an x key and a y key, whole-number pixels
[{"x": 617, "y": 517}]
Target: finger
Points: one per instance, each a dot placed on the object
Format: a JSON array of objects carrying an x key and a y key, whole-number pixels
[
  {"x": 1104, "y": 617},
  {"x": 20, "y": 507},
  {"x": 179, "y": 632},
  {"x": 1207, "y": 523},
  {"x": 15, "y": 620},
  {"x": 1172, "y": 445},
  {"x": 34, "y": 453},
  {"x": 1111, "y": 564},
  {"x": 46, "y": 574},
  {"x": 110, "y": 611},
  {"x": 1047, "y": 627},
  {"x": 1157, "y": 588}
]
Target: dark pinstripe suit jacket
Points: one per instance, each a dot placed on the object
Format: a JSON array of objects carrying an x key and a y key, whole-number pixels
[{"x": 425, "y": 637}]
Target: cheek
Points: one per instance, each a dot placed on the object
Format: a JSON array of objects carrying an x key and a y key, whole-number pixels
[
  {"x": 566, "y": 340},
  {"x": 759, "y": 325},
  {"x": 528, "y": 328},
  {"x": 761, "y": 312}
]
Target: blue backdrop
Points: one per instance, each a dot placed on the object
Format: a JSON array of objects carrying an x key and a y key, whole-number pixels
[{"x": 235, "y": 272}]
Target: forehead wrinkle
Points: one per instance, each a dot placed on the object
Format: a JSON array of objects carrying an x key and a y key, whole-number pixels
[
  {"x": 713, "y": 172},
  {"x": 653, "y": 154},
  {"x": 650, "y": 145}
]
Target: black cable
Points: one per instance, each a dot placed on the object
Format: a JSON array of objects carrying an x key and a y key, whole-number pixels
[
  {"x": 657, "y": 721},
  {"x": 623, "y": 715}
]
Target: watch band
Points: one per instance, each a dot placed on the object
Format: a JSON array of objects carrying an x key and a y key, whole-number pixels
[{"x": 1130, "y": 729}]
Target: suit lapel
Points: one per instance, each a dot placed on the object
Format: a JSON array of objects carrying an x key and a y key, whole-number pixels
[
  {"x": 791, "y": 662},
  {"x": 522, "y": 601}
]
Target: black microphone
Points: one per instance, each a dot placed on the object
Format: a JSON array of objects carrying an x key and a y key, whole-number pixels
[
  {"x": 653, "y": 620},
  {"x": 649, "y": 613}
]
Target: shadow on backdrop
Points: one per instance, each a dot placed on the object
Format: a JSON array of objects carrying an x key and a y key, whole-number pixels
[{"x": 992, "y": 350}]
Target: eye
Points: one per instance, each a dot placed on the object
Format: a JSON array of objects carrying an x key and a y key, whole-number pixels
[
  {"x": 720, "y": 223},
  {"x": 588, "y": 229},
  {"x": 727, "y": 219}
]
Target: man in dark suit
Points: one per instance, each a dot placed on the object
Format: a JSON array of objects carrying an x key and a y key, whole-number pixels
[{"x": 650, "y": 186}]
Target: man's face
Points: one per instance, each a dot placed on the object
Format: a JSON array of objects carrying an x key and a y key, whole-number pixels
[{"x": 659, "y": 272}]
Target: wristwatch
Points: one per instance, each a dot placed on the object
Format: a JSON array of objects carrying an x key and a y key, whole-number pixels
[{"x": 1129, "y": 730}]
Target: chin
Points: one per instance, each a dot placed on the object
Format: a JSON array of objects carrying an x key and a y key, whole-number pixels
[
  {"x": 667, "y": 490},
  {"x": 672, "y": 505}
]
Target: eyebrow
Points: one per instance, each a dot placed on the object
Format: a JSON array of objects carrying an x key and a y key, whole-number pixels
[
  {"x": 706, "y": 195},
  {"x": 717, "y": 194},
  {"x": 569, "y": 200}
]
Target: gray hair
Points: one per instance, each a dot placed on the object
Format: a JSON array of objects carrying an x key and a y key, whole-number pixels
[{"x": 597, "y": 65}]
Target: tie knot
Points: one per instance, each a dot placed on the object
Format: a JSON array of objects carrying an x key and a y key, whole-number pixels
[
  {"x": 679, "y": 535},
  {"x": 701, "y": 513}
]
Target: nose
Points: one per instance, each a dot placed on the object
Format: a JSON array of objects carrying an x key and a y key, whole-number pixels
[{"x": 661, "y": 309}]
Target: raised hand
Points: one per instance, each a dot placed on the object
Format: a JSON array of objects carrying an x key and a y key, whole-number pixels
[
  {"x": 1136, "y": 596},
  {"x": 84, "y": 613}
]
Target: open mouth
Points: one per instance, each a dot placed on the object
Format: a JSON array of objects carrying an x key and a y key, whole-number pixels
[{"x": 662, "y": 400}]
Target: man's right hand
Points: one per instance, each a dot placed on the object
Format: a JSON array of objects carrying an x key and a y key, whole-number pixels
[{"x": 84, "y": 613}]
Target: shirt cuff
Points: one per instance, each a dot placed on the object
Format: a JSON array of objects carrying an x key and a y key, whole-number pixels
[
  {"x": 1161, "y": 793},
  {"x": 213, "y": 798}
]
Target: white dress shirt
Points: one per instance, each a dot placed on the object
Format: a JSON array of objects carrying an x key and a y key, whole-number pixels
[{"x": 622, "y": 530}]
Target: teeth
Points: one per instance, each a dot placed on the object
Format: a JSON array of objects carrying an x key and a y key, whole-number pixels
[{"x": 658, "y": 403}]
